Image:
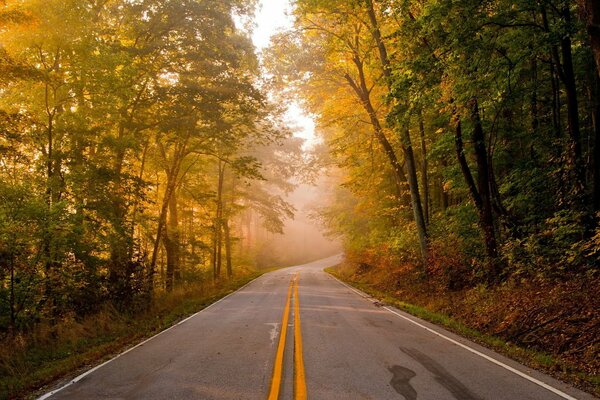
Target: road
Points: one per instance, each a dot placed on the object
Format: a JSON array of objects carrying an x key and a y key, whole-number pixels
[{"x": 352, "y": 348}]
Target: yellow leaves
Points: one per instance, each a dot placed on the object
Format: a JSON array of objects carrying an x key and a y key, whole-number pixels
[{"x": 446, "y": 89}]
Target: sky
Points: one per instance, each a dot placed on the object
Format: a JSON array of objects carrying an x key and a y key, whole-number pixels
[
  {"x": 270, "y": 17},
  {"x": 273, "y": 16},
  {"x": 303, "y": 236}
]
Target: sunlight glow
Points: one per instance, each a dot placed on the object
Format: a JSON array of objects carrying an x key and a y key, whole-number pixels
[{"x": 273, "y": 16}]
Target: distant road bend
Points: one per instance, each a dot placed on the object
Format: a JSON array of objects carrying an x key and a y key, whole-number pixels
[{"x": 298, "y": 333}]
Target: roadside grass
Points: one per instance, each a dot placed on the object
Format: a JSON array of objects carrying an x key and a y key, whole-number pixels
[
  {"x": 30, "y": 361},
  {"x": 529, "y": 357}
]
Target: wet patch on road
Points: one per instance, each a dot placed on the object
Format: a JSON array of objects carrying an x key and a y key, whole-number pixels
[
  {"x": 401, "y": 381},
  {"x": 441, "y": 375}
]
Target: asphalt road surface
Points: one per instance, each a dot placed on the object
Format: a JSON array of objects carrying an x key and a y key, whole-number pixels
[{"x": 351, "y": 347}]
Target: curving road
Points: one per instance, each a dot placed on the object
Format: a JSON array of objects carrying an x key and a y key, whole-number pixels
[{"x": 352, "y": 348}]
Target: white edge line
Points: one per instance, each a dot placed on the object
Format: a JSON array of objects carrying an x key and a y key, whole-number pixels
[
  {"x": 80, "y": 377},
  {"x": 464, "y": 346}
]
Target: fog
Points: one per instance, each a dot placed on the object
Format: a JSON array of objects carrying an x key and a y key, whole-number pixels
[{"x": 303, "y": 239}]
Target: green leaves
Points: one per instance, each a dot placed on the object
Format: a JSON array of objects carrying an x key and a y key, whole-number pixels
[{"x": 108, "y": 111}]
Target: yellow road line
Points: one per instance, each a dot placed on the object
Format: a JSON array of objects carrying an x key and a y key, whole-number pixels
[
  {"x": 299, "y": 376},
  {"x": 278, "y": 367}
]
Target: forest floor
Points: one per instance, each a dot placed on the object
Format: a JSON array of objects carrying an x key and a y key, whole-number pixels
[
  {"x": 29, "y": 362},
  {"x": 549, "y": 326}
]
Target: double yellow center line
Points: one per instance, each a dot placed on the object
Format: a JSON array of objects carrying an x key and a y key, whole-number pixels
[{"x": 299, "y": 376}]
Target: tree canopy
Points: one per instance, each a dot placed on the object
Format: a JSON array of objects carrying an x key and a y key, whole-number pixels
[
  {"x": 131, "y": 133},
  {"x": 461, "y": 129}
]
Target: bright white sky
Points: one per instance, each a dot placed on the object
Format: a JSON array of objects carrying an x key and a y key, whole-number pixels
[{"x": 271, "y": 17}]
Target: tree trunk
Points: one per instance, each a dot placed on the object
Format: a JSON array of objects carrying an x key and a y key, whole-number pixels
[
  {"x": 566, "y": 74},
  {"x": 596, "y": 143},
  {"x": 120, "y": 240},
  {"x": 556, "y": 121},
  {"x": 445, "y": 199},
  {"x": 572, "y": 105},
  {"x": 228, "y": 248},
  {"x": 363, "y": 94},
  {"x": 464, "y": 165},
  {"x": 554, "y": 79},
  {"x": 533, "y": 104},
  {"x": 413, "y": 184},
  {"x": 424, "y": 172},
  {"x": 443, "y": 194},
  {"x": 376, "y": 33},
  {"x": 218, "y": 228},
  {"x": 162, "y": 217},
  {"x": 52, "y": 197},
  {"x": 13, "y": 315},
  {"x": 484, "y": 186},
  {"x": 121, "y": 235},
  {"x": 136, "y": 200},
  {"x": 172, "y": 176},
  {"x": 480, "y": 191},
  {"x": 172, "y": 243},
  {"x": 404, "y": 134},
  {"x": 590, "y": 14}
]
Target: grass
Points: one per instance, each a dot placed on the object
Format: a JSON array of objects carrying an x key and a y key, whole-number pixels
[
  {"x": 31, "y": 361},
  {"x": 532, "y": 358}
]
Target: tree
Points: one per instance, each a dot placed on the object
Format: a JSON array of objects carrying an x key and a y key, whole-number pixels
[
  {"x": 510, "y": 75},
  {"x": 113, "y": 113}
]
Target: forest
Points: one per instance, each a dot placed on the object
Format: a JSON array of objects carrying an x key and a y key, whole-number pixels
[
  {"x": 139, "y": 153},
  {"x": 464, "y": 136},
  {"x": 143, "y": 150},
  {"x": 130, "y": 143}
]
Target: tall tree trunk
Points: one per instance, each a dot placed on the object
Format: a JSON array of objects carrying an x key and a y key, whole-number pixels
[
  {"x": 249, "y": 237},
  {"x": 162, "y": 218},
  {"x": 172, "y": 243},
  {"x": 362, "y": 93},
  {"x": 554, "y": 78},
  {"x": 533, "y": 104},
  {"x": 52, "y": 197},
  {"x": 464, "y": 165},
  {"x": 480, "y": 190},
  {"x": 556, "y": 120},
  {"x": 443, "y": 193},
  {"x": 590, "y": 13},
  {"x": 13, "y": 314},
  {"x": 120, "y": 240},
  {"x": 172, "y": 177},
  {"x": 413, "y": 184},
  {"x": 218, "y": 227},
  {"x": 445, "y": 200},
  {"x": 424, "y": 172},
  {"x": 596, "y": 143},
  {"x": 404, "y": 134},
  {"x": 566, "y": 73},
  {"x": 484, "y": 186},
  {"x": 136, "y": 200},
  {"x": 376, "y": 33},
  {"x": 572, "y": 104},
  {"x": 121, "y": 235},
  {"x": 227, "y": 233}
]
